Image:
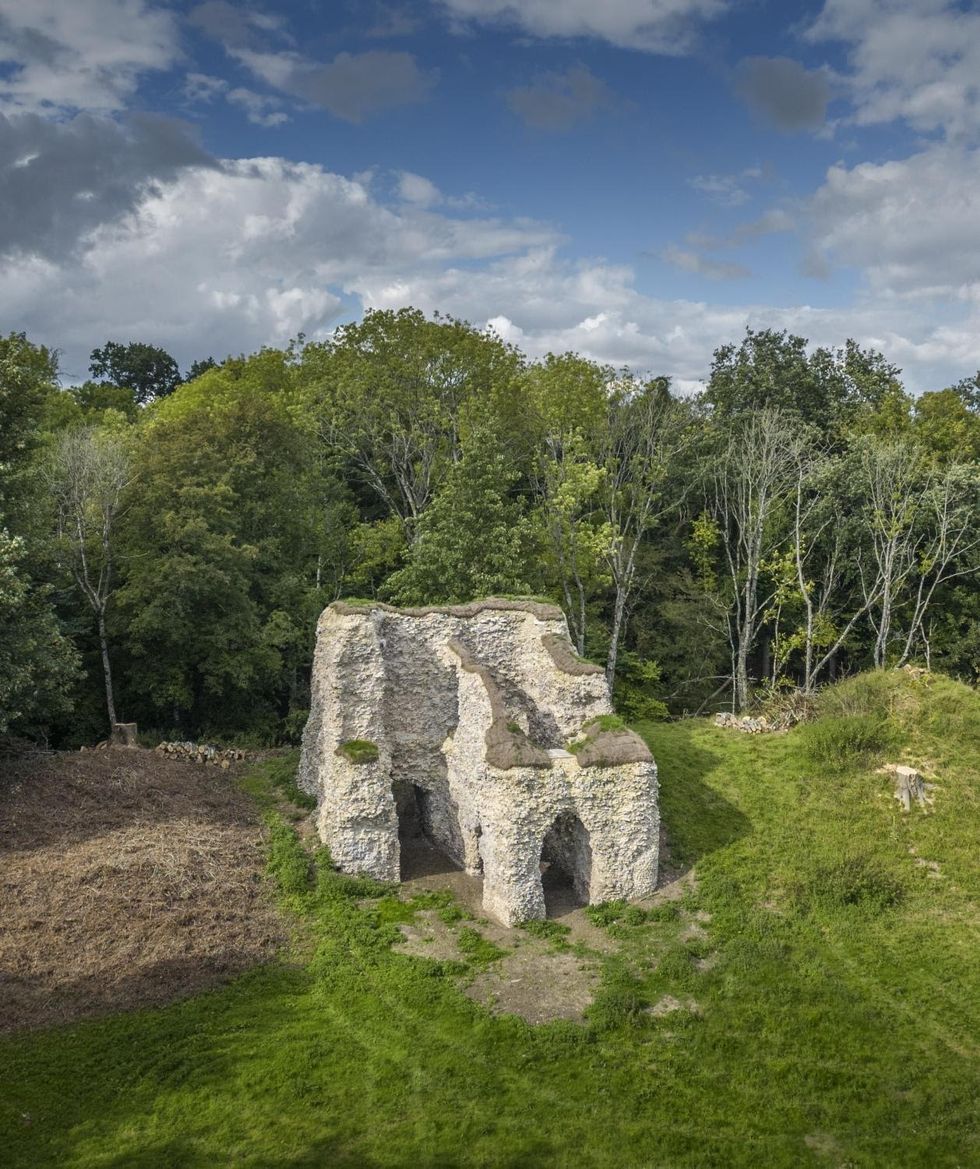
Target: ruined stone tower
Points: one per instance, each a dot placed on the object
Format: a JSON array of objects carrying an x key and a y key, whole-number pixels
[{"x": 457, "y": 721}]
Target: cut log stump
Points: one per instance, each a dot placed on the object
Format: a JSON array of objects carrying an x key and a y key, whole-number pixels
[
  {"x": 909, "y": 786},
  {"x": 124, "y": 735}
]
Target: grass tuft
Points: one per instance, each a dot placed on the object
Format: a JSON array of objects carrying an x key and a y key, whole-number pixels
[
  {"x": 289, "y": 864},
  {"x": 479, "y": 951},
  {"x": 857, "y": 880},
  {"x": 548, "y": 931}
]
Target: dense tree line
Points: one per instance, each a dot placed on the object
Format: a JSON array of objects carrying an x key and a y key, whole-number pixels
[{"x": 166, "y": 543}]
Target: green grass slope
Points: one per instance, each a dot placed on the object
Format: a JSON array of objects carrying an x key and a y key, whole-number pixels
[{"x": 832, "y": 997}]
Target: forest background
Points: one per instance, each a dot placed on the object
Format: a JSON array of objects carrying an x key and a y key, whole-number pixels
[{"x": 167, "y": 542}]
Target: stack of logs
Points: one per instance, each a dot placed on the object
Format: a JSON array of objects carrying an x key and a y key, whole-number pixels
[
  {"x": 202, "y": 753},
  {"x": 752, "y": 725}
]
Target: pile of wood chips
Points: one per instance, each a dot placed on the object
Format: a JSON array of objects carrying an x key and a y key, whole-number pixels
[{"x": 127, "y": 880}]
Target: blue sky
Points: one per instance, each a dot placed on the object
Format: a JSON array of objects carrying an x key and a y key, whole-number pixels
[{"x": 637, "y": 180}]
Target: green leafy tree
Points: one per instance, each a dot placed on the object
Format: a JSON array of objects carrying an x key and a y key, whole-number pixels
[
  {"x": 645, "y": 437},
  {"x": 28, "y": 384},
  {"x": 474, "y": 539},
  {"x": 200, "y": 366},
  {"x": 228, "y": 553},
  {"x": 95, "y": 398},
  {"x": 568, "y": 405},
  {"x": 947, "y": 424},
  {"x": 831, "y": 390},
  {"x": 147, "y": 370},
  {"x": 38, "y": 664},
  {"x": 390, "y": 392},
  {"x": 88, "y": 474}
]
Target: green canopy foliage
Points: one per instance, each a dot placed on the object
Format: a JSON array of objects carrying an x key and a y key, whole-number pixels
[
  {"x": 804, "y": 516},
  {"x": 147, "y": 371}
]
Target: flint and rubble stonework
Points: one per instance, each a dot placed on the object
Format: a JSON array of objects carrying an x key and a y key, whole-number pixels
[{"x": 471, "y": 708}]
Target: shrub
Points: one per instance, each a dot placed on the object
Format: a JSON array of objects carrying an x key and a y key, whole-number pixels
[
  {"x": 620, "y": 913},
  {"x": 856, "y": 880},
  {"x": 638, "y": 682},
  {"x": 359, "y": 751},
  {"x": 293, "y": 726},
  {"x": 607, "y": 913},
  {"x": 846, "y": 740}
]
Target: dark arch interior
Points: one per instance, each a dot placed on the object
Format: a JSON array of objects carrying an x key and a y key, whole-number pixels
[
  {"x": 428, "y": 831},
  {"x": 566, "y": 865}
]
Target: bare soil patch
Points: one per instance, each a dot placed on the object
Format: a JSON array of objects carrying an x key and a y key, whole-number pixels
[
  {"x": 533, "y": 979},
  {"x": 537, "y": 983},
  {"x": 126, "y": 880}
]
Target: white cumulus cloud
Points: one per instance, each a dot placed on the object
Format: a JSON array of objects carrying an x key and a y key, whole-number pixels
[
  {"x": 227, "y": 258},
  {"x": 655, "y": 26},
  {"x": 917, "y": 60},
  {"x": 60, "y": 56},
  {"x": 912, "y": 225}
]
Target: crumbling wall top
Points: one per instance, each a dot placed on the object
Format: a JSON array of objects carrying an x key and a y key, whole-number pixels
[
  {"x": 565, "y": 658},
  {"x": 543, "y": 610}
]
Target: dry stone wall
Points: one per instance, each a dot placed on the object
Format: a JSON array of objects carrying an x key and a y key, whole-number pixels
[{"x": 455, "y": 721}]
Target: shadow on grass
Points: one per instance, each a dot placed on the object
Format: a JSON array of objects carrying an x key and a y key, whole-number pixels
[
  {"x": 189, "y": 1155},
  {"x": 697, "y": 819},
  {"x": 324, "y": 1154},
  {"x": 30, "y": 1004}
]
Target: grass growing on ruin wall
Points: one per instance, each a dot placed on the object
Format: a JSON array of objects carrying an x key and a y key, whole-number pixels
[{"x": 824, "y": 1012}]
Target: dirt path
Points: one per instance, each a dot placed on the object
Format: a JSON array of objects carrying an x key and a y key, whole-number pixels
[{"x": 126, "y": 880}]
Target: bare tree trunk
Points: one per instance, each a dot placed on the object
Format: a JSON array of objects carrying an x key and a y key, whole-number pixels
[
  {"x": 617, "y": 629},
  {"x": 753, "y": 476},
  {"x": 742, "y": 687},
  {"x": 88, "y": 474},
  {"x": 110, "y": 700}
]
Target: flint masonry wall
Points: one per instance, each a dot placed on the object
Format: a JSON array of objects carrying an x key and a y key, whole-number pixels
[{"x": 471, "y": 708}]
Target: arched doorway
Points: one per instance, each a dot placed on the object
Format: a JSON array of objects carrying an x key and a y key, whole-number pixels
[
  {"x": 428, "y": 833},
  {"x": 566, "y": 865}
]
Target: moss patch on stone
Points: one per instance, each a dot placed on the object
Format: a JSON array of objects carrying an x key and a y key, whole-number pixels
[{"x": 359, "y": 751}]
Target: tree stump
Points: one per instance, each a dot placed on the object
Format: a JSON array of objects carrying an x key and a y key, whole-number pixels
[
  {"x": 124, "y": 735},
  {"x": 909, "y": 786}
]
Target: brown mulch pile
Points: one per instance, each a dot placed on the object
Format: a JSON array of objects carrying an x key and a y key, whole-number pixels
[{"x": 127, "y": 880}]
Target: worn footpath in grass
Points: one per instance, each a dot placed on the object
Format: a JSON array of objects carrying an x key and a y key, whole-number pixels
[{"x": 823, "y": 969}]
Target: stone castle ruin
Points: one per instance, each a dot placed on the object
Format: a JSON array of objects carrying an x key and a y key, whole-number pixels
[{"x": 456, "y": 723}]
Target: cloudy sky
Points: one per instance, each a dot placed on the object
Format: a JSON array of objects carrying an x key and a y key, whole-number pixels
[{"x": 637, "y": 180}]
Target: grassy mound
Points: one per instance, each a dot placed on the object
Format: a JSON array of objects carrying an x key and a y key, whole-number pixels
[{"x": 824, "y": 1012}]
